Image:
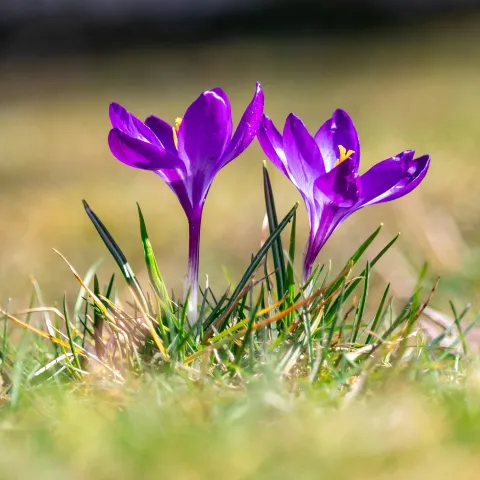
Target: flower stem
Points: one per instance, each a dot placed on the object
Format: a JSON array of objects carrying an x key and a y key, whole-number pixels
[
  {"x": 191, "y": 287},
  {"x": 307, "y": 265}
]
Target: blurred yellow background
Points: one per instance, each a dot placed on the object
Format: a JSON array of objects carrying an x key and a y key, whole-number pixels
[{"x": 413, "y": 87}]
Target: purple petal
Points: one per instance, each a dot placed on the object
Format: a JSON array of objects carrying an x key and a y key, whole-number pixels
[
  {"x": 386, "y": 181},
  {"x": 206, "y": 129},
  {"x": 339, "y": 130},
  {"x": 414, "y": 171},
  {"x": 140, "y": 154},
  {"x": 335, "y": 197},
  {"x": 383, "y": 176},
  {"x": 304, "y": 162},
  {"x": 271, "y": 141},
  {"x": 130, "y": 125},
  {"x": 163, "y": 132},
  {"x": 340, "y": 186},
  {"x": 247, "y": 127}
]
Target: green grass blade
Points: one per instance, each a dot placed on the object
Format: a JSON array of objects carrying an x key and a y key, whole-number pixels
[
  {"x": 331, "y": 330},
  {"x": 116, "y": 253},
  {"x": 150, "y": 260},
  {"x": 290, "y": 274},
  {"x": 3, "y": 357},
  {"x": 109, "y": 289},
  {"x": 254, "y": 264},
  {"x": 354, "y": 259},
  {"x": 458, "y": 319},
  {"x": 352, "y": 285},
  {"x": 246, "y": 338},
  {"x": 361, "y": 306},
  {"x": 277, "y": 247},
  {"x": 378, "y": 316},
  {"x": 81, "y": 292},
  {"x": 69, "y": 334},
  {"x": 404, "y": 315},
  {"x": 457, "y": 340},
  {"x": 98, "y": 321}
]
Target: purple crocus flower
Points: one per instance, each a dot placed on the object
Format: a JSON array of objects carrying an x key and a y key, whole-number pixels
[
  {"x": 187, "y": 155},
  {"x": 324, "y": 168}
]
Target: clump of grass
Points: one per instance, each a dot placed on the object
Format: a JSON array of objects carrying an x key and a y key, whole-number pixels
[
  {"x": 325, "y": 332},
  {"x": 321, "y": 332},
  {"x": 266, "y": 385}
]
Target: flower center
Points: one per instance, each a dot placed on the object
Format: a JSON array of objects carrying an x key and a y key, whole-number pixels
[
  {"x": 175, "y": 129},
  {"x": 344, "y": 154}
]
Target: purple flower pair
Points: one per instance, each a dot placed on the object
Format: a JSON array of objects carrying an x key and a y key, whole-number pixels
[{"x": 324, "y": 168}]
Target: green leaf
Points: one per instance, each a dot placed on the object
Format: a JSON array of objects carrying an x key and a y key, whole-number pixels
[
  {"x": 253, "y": 266},
  {"x": 98, "y": 320},
  {"x": 353, "y": 261},
  {"x": 277, "y": 247},
  {"x": 458, "y": 319},
  {"x": 117, "y": 255},
  {"x": 290, "y": 275},
  {"x": 69, "y": 333},
  {"x": 109, "y": 289},
  {"x": 81, "y": 292},
  {"x": 361, "y": 306},
  {"x": 377, "y": 321},
  {"x": 246, "y": 338},
  {"x": 354, "y": 283},
  {"x": 465, "y": 331},
  {"x": 152, "y": 266},
  {"x": 326, "y": 347}
]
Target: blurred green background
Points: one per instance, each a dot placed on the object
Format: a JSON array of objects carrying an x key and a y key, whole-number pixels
[{"x": 410, "y": 86}]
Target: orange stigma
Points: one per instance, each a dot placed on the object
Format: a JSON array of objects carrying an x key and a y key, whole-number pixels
[
  {"x": 344, "y": 154},
  {"x": 175, "y": 129}
]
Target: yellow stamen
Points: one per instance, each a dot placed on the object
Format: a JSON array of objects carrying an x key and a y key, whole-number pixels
[
  {"x": 344, "y": 154},
  {"x": 175, "y": 129}
]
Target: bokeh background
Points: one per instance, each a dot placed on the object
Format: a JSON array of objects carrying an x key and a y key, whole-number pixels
[{"x": 407, "y": 71}]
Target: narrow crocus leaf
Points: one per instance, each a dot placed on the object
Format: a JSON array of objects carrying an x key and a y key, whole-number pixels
[
  {"x": 98, "y": 321},
  {"x": 69, "y": 333},
  {"x": 465, "y": 331},
  {"x": 109, "y": 289},
  {"x": 81, "y": 292},
  {"x": 289, "y": 274},
  {"x": 277, "y": 247},
  {"x": 352, "y": 285},
  {"x": 361, "y": 306},
  {"x": 458, "y": 319},
  {"x": 415, "y": 312},
  {"x": 353, "y": 260},
  {"x": 216, "y": 311},
  {"x": 326, "y": 347},
  {"x": 117, "y": 254},
  {"x": 150, "y": 260},
  {"x": 253, "y": 266},
  {"x": 404, "y": 316},
  {"x": 3, "y": 352},
  {"x": 263, "y": 250},
  {"x": 378, "y": 319},
  {"x": 251, "y": 320}
]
